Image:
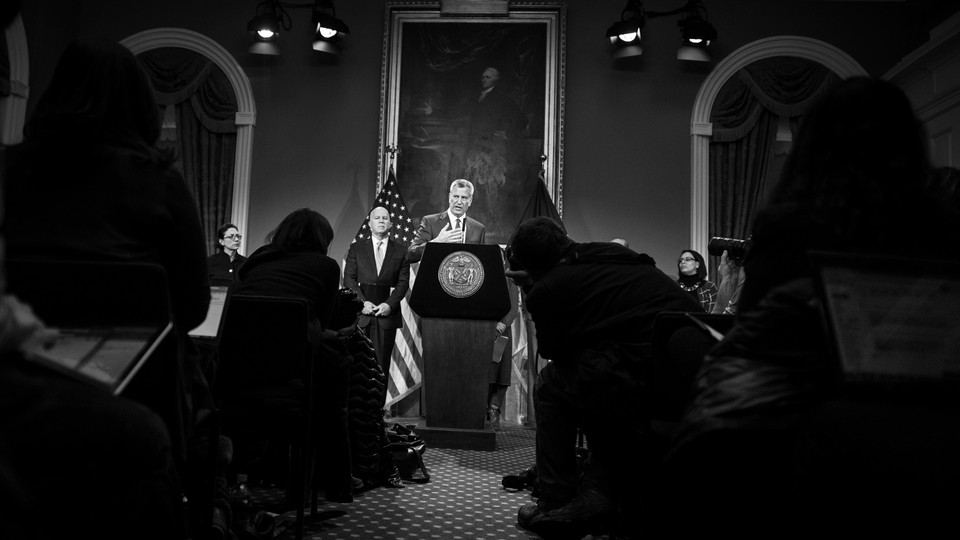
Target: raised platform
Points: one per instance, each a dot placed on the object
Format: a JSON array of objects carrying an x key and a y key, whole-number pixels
[{"x": 457, "y": 438}]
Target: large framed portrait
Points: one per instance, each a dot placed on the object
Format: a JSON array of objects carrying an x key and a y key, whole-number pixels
[{"x": 474, "y": 97}]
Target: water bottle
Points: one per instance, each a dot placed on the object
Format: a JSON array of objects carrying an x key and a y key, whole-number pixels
[{"x": 240, "y": 499}]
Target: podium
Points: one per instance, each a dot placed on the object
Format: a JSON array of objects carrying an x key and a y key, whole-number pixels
[{"x": 460, "y": 293}]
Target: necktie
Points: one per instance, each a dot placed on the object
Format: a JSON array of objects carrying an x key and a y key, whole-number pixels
[
  {"x": 379, "y": 254},
  {"x": 460, "y": 227}
]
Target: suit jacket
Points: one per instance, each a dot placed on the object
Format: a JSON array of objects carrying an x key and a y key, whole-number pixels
[
  {"x": 430, "y": 227},
  {"x": 360, "y": 275}
]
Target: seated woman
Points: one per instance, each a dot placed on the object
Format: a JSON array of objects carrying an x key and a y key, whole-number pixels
[
  {"x": 692, "y": 277},
  {"x": 111, "y": 194},
  {"x": 222, "y": 266},
  {"x": 766, "y": 427},
  {"x": 294, "y": 264}
]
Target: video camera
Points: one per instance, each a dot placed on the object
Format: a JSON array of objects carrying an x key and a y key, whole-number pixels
[{"x": 735, "y": 247}]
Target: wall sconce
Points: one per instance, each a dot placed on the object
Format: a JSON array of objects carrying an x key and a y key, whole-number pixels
[
  {"x": 696, "y": 33},
  {"x": 272, "y": 18}
]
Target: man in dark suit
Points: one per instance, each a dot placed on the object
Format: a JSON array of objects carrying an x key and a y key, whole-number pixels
[
  {"x": 449, "y": 227},
  {"x": 378, "y": 271}
]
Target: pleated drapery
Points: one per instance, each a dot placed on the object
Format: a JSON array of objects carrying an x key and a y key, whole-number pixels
[
  {"x": 199, "y": 124},
  {"x": 4, "y": 69},
  {"x": 745, "y": 118}
]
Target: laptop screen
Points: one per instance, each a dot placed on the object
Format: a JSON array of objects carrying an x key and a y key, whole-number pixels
[
  {"x": 891, "y": 318},
  {"x": 210, "y": 327},
  {"x": 105, "y": 357}
]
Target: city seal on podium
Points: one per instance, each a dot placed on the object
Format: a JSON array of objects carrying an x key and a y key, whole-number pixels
[{"x": 460, "y": 274}]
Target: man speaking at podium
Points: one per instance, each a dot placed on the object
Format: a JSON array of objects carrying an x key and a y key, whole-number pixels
[{"x": 449, "y": 227}]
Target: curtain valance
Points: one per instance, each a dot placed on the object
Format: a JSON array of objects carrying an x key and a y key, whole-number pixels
[
  {"x": 180, "y": 74},
  {"x": 783, "y": 85}
]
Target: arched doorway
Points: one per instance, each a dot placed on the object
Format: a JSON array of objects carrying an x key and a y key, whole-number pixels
[
  {"x": 246, "y": 110},
  {"x": 701, "y": 129}
]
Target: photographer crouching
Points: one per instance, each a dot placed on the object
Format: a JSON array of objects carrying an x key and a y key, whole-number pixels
[{"x": 594, "y": 305}]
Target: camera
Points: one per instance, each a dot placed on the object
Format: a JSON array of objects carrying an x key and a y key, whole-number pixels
[
  {"x": 735, "y": 247},
  {"x": 347, "y": 309}
]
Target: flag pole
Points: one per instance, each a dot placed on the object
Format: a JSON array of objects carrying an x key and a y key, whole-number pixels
[{"x": 392, "y": 151}]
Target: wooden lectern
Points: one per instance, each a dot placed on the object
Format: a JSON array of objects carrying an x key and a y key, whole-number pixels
[{"x": 460, "y": 293}]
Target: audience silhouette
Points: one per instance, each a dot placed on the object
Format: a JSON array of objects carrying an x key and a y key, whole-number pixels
[
  {"x": 753, "y": 450},
  {"x": 88, "y": 183}
]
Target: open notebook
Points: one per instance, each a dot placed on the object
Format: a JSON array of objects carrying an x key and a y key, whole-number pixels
[{"x": 891, "y": 320}]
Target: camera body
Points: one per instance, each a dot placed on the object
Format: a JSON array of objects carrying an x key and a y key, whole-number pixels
[
  {"x": 735, "y": 247},
  {"x": 347, "y": 309}
]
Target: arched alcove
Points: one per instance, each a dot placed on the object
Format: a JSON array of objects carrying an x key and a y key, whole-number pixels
[
  {"x": 246, "y": 110},
  {"x": 13, "y": 108},
  {"x": 701, "y": 129}
]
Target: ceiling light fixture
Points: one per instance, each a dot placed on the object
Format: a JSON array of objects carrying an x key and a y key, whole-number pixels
[
  {"x": 328, "y": 28},
  {"x": 696, "y": 33},
  {"x": 625, "y": 34},
  {"x": 272, "y": 18}
]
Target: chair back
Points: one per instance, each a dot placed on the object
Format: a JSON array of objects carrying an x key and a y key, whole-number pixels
[
  {"x": 265, "y": 340},
  {"x": 671, "y": 379},
  {"x": 66, "y": 293}
]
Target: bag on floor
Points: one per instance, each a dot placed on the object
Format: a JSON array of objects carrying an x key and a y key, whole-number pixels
[{"x": 407, "y": 449}]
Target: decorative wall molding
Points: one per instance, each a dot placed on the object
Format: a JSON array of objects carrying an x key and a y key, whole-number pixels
[
  {"x": 930, "y": 76},
  {"x": 13, "y": 108}
]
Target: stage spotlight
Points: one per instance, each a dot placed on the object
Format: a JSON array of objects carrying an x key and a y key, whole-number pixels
[
  {"x": 272, "y": 18},
  {"x": 625, "y": 35},
  {"x": 696, "y": 34},
  {"x": 328, "y": 28}
]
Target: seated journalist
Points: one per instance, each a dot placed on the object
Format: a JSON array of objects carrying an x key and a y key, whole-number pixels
[
  {"x": 222, "y": 266},
  {"x": 294, "y": 263}
]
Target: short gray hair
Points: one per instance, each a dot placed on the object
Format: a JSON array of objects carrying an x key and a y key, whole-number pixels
[{"x": 462, "y": 183}]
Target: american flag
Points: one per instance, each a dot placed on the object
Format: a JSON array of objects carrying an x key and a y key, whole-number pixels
[{"x": 405, "y": 376}]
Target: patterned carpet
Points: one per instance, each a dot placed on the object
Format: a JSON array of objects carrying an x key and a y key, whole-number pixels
[{"x": 463, "y": 500}]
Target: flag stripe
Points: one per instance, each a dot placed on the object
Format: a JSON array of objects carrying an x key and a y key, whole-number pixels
[
  {"x": 405, "y": 376},
  {"x": 518, "y": 331}
]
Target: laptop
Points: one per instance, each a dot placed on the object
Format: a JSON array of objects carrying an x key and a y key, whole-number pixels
[
  {"x": 105, "y": 357},
  {"x": 892, "y": 322},
  {"x": 211, "y": 325},
  {"x": 108, "y": 319}
]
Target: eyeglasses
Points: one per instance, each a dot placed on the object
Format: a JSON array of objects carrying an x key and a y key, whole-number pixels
[
  {"x": 233, "y": 236},
  {"x": 686, "y": 259}
]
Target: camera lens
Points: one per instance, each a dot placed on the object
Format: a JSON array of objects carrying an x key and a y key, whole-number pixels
[{"x": 734, "y": 247}]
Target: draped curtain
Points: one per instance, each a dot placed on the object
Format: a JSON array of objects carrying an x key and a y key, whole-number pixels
[
  {"x": 199, "y": 108},
  {"x": 4, "y": 68},
  {"x": 745, "y": 117}
]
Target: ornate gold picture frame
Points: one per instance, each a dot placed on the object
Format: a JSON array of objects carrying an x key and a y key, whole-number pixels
[{"x": 435, "y": 127}]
